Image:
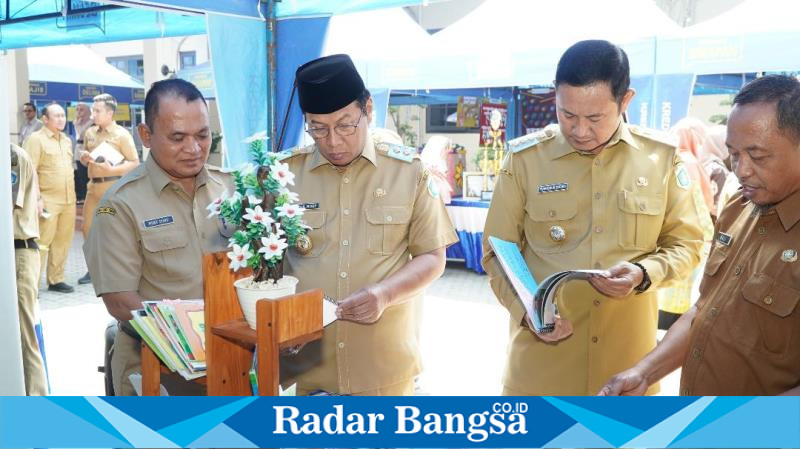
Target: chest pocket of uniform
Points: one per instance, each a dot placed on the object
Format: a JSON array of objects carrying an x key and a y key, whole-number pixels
[
  {"x": 714, "y": 262},
  {"x": 640, "y": 221},
  {"x": 387, "y": 227},
  {"x": 164, "y": 248},
  {"x": 552, "y": 227},
  {"x": 774, "y": 303},
  {"x": 52, "y": 159},
  {"x": 315, "y": 220}
]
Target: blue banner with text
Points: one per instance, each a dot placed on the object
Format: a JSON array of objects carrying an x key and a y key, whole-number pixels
[{"x": 422, "y": 421}]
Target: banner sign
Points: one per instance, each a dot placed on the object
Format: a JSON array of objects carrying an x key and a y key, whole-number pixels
[{"x": 422, "y": 421}]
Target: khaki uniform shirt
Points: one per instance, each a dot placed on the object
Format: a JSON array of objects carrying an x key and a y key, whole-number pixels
[
  {"x": 51, "y": 154},
  {"x": 148, "y": 235},
  {"x": 631, "y": 202},
  {"x": 116, "y": 136},
  {"x": 24, "y": 195},
  {"x": 367, "y": 220},
  {"x": 745, "y": 338}
]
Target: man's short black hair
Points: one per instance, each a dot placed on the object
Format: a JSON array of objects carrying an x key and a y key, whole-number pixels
[
  {"x": 174, "y": 87},
  {"x": 595, "y": 61},
  {"x": 782, "y": 90}
]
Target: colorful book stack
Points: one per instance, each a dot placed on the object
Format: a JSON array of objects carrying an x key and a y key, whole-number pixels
[{"x": 175, "y": 330}]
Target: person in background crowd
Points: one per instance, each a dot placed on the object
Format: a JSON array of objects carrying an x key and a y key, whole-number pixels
[
  {"x": 742, "y": 336},
  {"x": 676, "y": 299},
  {"x": 31, "y": 123},
  {"x": 82, "y": 122},
  {"x": 102, "y": 174},
  {"x": 50, "y": 151},
  {"x": 717, "y": 162}
]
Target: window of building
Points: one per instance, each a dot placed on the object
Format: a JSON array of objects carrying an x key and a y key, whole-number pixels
[
  {"x": 188, "y": 59},
  {"x": 441, "y": 118},
  {"x": 132, "y": 65}
]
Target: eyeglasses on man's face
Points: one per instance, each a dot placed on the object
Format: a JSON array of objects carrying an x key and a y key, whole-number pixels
[{"x": 342, "y": 129}]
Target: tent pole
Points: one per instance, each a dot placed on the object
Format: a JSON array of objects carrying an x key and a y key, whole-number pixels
[{"x": 272, "y": 69}]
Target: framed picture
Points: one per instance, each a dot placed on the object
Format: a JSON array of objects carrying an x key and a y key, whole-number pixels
[{"x": 473, "y": 184}]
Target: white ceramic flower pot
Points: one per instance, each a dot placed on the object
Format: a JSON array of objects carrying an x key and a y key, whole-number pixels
[{"x": 249, "y": 294}]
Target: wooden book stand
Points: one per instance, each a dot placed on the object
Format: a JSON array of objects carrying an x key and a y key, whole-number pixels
[{"x": 281, "y": 323}]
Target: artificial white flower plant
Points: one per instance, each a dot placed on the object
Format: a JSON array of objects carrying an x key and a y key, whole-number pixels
[{"x": 264, "y": 212}]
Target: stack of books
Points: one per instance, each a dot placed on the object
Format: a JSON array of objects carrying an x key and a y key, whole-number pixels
[{"x": 175, "y": 330}]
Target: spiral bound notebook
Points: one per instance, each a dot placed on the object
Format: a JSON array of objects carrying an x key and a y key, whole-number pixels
[{"x": 539, "y": 300}]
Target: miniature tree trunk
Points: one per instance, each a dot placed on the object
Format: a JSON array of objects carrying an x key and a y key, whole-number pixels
[{"x": 264, "y": 272}]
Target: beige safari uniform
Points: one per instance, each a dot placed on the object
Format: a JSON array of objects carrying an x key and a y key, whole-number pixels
[
  {"x": 51, "y": 154},
  {"x": 25, "y": 193},
  {"x": 119, "y": 138},
  {"x": 149, "y": 237},
  {"x": 630, "y": 202},
  {"x": 367, "y": 220}
]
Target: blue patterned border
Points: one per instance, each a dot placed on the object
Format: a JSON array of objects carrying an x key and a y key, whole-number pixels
[{"x": 249, "y": 422}]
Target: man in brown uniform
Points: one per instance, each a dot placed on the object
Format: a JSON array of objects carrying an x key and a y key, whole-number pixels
[
  {"x": 102, "y": 174},
  {"x": 594, "y": 193},
  {"x": 379, "y": 232},
  {"x": 742, "y": 336},
  {"x": 50, "y": 151},
  {"x": 25, "y": 200},
  {"x": 150, "y": 230}
]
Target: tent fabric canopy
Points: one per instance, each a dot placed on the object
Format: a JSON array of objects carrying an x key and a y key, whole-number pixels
[{"x": 75, "y": 64}]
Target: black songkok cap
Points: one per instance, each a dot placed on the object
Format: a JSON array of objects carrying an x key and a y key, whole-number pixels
[{"x": 328, "y": 84}]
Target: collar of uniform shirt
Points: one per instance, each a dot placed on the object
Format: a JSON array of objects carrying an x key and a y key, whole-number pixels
[
  {"x": 368, "y": 153},
  {"x": 159, "y": 178},
  {"x": 51, "y": 134},
  {"x": 789, "y": 210}
]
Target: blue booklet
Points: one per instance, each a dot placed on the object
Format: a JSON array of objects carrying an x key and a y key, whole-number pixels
[{"x": 539, "y": 300}]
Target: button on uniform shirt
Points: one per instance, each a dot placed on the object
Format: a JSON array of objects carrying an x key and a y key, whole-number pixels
[
  {"x": 24, "y": 195},
  {"x": 745, "y": 338},
  {"x": 148, "y": 235},
  {"x": 51, "y": 154},
  {"x": 367, "y": 220},
  {"x": 116, "y": 136},
  {"x": 567, "y": 210}
]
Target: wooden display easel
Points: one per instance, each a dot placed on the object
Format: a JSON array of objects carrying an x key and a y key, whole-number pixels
[{"x": 282, "y": 323}]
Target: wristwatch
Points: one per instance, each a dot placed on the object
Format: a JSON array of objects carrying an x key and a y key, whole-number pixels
[{"x": 645, "y": 284}]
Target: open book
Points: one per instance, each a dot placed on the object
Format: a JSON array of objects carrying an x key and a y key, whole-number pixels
[
  {"x": 108, "y": 153},
  {"x": 539, "y": 300}
]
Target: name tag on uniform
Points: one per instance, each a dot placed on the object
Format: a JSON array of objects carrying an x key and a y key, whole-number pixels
[
  {"x": 309, "y": 205},
  {"x": 160, "y": 221},
  {"x": 724, "y": 239},
  {"x": 559, "y": 187}
]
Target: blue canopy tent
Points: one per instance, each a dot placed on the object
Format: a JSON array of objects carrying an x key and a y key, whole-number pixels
[{"x": 247, "y": 25}]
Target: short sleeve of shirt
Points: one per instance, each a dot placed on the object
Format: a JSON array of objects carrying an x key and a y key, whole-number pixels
[
  {"x": 127, "y": 147},
  {"x": 431, "y": 227},
  {"x": 112, "y": 251}
]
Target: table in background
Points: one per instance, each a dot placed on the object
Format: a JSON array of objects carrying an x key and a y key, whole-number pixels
[{"x": 468, "y": 217}]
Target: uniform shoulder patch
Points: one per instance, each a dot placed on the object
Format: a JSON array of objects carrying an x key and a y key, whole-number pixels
[
  {"x": 105, "y": 210},
  {"x": 682, "y": 177},
  {"x": 652, "y": 134},
  {"x": 530, "y": 140},
  {"x": 395, "y": 151}
]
